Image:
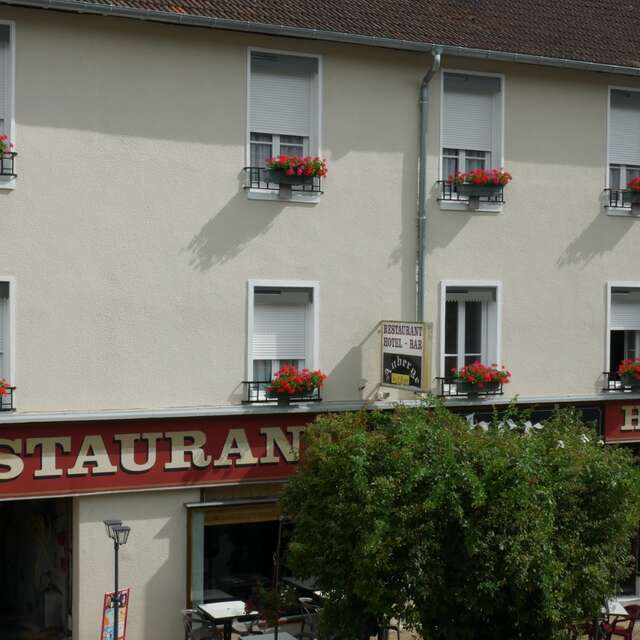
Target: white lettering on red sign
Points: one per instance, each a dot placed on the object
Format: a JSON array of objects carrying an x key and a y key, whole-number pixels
[{"x": 631, "y": 417}]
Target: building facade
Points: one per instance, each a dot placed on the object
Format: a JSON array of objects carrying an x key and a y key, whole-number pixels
[{"x": 152, "y": 275}]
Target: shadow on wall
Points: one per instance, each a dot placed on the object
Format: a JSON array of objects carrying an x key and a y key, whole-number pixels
[
  {"x": 160, "y": 589},
  {"x": 226, "y": 234},
  {"x": 600, "y": 237},
  {"x": 343, "y": 381}
]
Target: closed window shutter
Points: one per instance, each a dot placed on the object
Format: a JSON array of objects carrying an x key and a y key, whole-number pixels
[
  {"x": 280, "y": 94},
  {"x": 4, "y": 330},
  {"x": 471, "y": 295},
  {"x": 279, "y": 332},
  {"x": 624, "y": 128},
  {"x": 625, "y": 310},
  {"x": 468, "y": 116},
  {"x": 5, "y": 79}
]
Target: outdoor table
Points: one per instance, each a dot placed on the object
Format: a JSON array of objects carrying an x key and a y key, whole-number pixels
[
  {"x": 615, "y": 608},
  {"x": 224, "y": 613}
]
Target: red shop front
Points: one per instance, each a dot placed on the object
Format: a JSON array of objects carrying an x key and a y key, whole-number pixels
[
  {"x": 232, "y": 468},
  {"x": 622, "y": 426}
]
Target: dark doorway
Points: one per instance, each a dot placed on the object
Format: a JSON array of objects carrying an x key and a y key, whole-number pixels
[{"x": 35, "y": 581}]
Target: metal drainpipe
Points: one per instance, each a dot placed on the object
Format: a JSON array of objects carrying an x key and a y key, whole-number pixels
[{"x": 422, "y": 186}]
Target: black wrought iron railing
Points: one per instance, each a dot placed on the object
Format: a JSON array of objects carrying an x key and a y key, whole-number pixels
[
  {"x": 615, "y": 199},
  {"x": 612, "y": 382},
  {"x": 256, "y": 392},
  {"x": 7, "y": 164},
  {"x": 6, "y": 399},
  {"x": 261, "y": 179},
  {"x": 449, "y": 387},
  {"x": 447, "y": 192}
]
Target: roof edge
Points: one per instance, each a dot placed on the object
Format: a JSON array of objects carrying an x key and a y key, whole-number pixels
[{"x": 78, "y": 6}]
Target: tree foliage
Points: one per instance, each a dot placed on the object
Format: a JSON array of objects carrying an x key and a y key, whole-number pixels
[{"x": 461, "y": 532}]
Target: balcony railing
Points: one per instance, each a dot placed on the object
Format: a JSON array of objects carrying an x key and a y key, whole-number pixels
[
  {"x": 447, "y": 192},
  {"x": 452, "y": 388},
  {"x": 256, "y": 392},
  {"x": 616, "y": 199},
  {"x": 6, "y": 399},
  {"x": 613, "y": 383},
  {"x": 261, "y": 179},
  {"x": 7, "y": 162}
]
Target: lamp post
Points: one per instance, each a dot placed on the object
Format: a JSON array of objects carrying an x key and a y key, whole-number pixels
[{"x": 119, "y": 534}]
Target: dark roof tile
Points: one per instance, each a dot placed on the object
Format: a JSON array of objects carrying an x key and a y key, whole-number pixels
[{"x": 602, "y": 31}]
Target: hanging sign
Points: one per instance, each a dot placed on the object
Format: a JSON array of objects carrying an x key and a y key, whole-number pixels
[
  {"x": 107, "y": 615},
  {"x": 406, "y": 355}
]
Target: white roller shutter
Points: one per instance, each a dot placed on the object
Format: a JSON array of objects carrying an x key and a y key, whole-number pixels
[
  {"x": 4, "y": 330},
  {"x": 624, "y": 127},
  {"x": 280, "y": 94},
  {"x": 471, "y": 295},
  {"x": 279, "y": 332},
  {"x": 468, "y": 116},
  {"x": 625, "y": 310}
]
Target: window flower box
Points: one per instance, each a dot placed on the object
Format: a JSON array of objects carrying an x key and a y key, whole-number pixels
[
  {"x": 631, "y": 195},
  {"x": 629, "y": 373},
  {"x": 288, "y": 171},
  {"x": 476, "y": 378},
  {"x": 289, "y": 383},
  {"x": 479, "y": 183},
  {"x": 7, "y": 157},
  {"x": 279, "y": 176},
  {"x": 6, "y": 396}
]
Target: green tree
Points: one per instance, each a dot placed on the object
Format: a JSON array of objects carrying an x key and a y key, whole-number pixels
[{"x": 461, "y": 532}]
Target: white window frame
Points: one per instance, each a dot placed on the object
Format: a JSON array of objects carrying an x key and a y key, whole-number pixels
[
  {"x": 313, "y": 361},
  {"x": 471, "y": 284},
  {"x": 5, "y": 182},
  {"x": 313, "y": 146},
  {"x": 611, "y": 285},
  {"x": 614, "y": 210},
  {"x": 11, "y": 340},
  {"x": 494, "y": 155}
]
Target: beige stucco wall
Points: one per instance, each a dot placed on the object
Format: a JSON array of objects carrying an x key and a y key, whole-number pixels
[
  {"x": 153, "y": 563},
  {"x": 553, "y": 247},
  {"x": 132, "y": 239}
]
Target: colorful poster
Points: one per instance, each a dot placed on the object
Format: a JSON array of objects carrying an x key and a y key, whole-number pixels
[{"x": 107, "y": 615}]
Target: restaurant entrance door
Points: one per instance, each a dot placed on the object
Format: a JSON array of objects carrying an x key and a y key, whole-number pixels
[
  {"x": 35, "y": 579},
  {"x": 233, "y": 538}
]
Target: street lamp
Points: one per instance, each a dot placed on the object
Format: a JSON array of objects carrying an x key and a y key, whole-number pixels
[{"x": 119, "y": 534}]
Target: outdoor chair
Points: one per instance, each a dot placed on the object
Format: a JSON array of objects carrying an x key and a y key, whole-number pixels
[
  {"x": 205, "y": 631},
  {"x": 622, "y": 626},
  {"x": 310, "y": 619}
]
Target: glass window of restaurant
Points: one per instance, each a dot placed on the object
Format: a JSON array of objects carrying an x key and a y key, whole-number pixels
[{"x": 233, "y": 538}]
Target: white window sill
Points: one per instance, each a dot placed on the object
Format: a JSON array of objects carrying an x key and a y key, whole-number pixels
[
  {"x": 274, "y": 196},
  {"x": 7, "y": 184},
  {"x": 485, "y": 207},
  {"x": 622, "y": 212}
]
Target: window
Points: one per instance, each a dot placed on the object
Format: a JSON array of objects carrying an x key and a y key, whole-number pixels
[
  {"x": 624, "y": 139},
  {"x": 471, "y": 123},
  {"x": 283, "y": 112},
  {"x": 233, "y": 543},
  {"x": 5, "y": 332},
  {"x": 624, "y": 325},
  {"x": 470, "y": 326},
  {"x": 6, "y": 102},
  {"x": 283, "y": 327}
]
